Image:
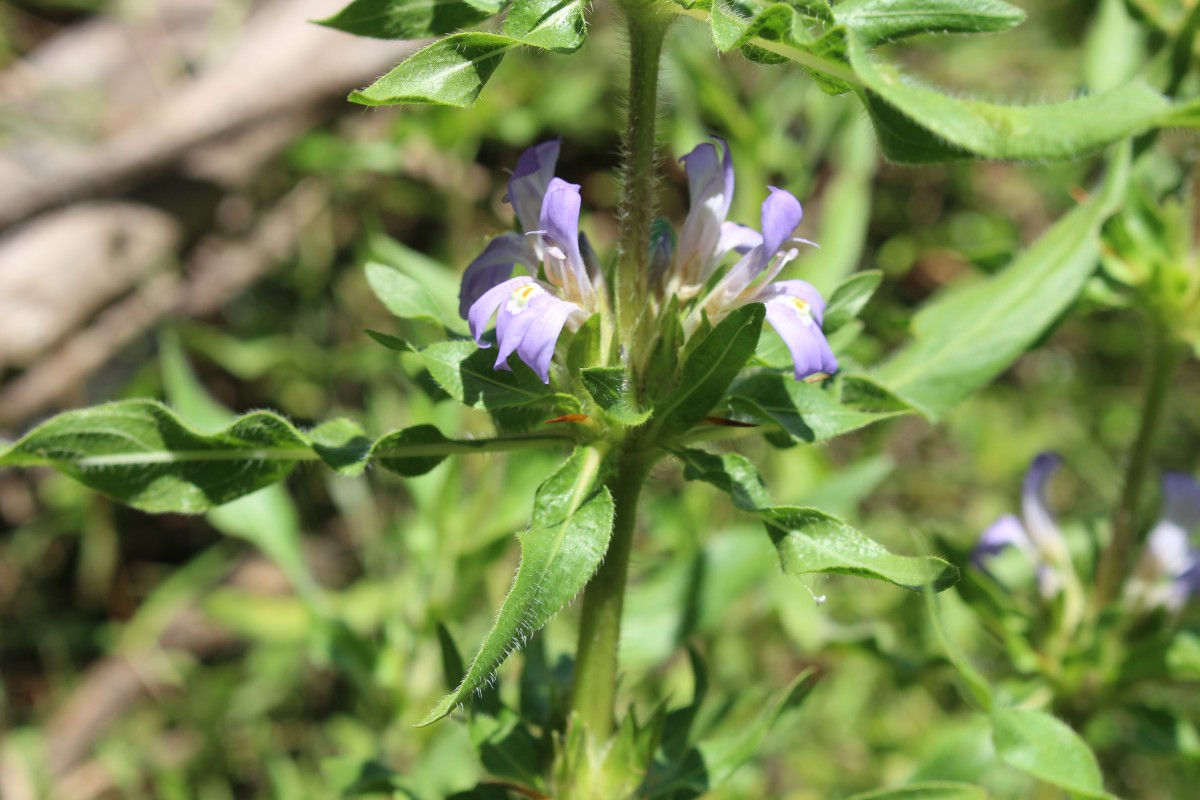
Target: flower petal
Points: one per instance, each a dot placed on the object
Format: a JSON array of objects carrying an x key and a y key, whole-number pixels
[
  {"x": 794, "y": 322},
  {"x": 1181, "y": 500},
  {"x": 735, "y": 237},
  {"x": 1001, "y": 534},
  {"x": 493, "y": 265},
  {"x": 482, "y": 309},
  {"x": 527, "y": 186},
  {"x": 710, "y": 192},
  {"x": 549, "y": 314},
  {"x": 800, "y": 289},
  {"x": 1043, "y": 531},
  {"x": 781, "y": 215},
  {"x": 559, "y": 223}
]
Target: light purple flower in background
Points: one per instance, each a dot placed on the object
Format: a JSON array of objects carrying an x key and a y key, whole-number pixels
[
  {"x": 1035, "y": 533},
  {"x": 707, "y": 237},
  {"x": 794, "y": 308},
  {"x": 531, "y": 312},
  {"x": 1168, "y": 573}
]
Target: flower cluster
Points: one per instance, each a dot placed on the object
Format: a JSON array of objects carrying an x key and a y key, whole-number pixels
[
  {"x": 562, "y": 285},
  {"x": 1168, "y": 572}
]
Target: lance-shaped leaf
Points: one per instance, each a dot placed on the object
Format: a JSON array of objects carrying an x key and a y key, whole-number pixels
[
  {"x": 452, "y": 71},
  {"x": 875, "y": 21},
  {"x": 565, "y": 543},
  {"x": 1040, "y": 745},
  {"x": 709, "y": 370},
  {"x": 806, "y": 412},
  {"x": 142, "y": 454},
  {"x": 410, "y": 19},
  {"x": 449, "y": 72},
  {"x": 809, "y": 540},
  {"x": 916, "y": 124},
  {"x": 966, "y": 338}
]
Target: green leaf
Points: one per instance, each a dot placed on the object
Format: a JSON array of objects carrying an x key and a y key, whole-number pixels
[
  {"x": 408, "y": 299},
  {"x": 565, "y": 543},
  {"x": 917, "y": 125},
  {"x": 1040, "y": 745},
  {"x": 809, "y": 540},
  {"x": 964, "y": 339},
  {"x": 400, "y": 441},
  {"x": 142, "y": 454},
  {"x": 848, "y": 299},
  {"x": 452, "y": 71},
  {"x": 876, "y": 21},
  {"x": 931, "y": 790},
  {"x": 735, "y": 25},
  {"x": 608, "y": 387},
  {"x": 554, "y": 25},
  {"x": 449, "y": 72},
  {"x": 806, "y": 412},
  {"x": 467, "y": 374},
  {"x": 709, "y": 370},
  {"x": 410, "y": 19}
]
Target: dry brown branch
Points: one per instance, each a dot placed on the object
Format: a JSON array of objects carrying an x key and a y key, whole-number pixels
[
  {"x": 220, "y": 269},
  {"x": 280, "y": 63}
]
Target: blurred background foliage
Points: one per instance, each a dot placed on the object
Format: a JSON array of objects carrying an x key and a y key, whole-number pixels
[{"x": 286, "y": 647}]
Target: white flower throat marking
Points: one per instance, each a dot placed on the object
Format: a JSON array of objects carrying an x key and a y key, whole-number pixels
[{"x": 519, "y": 300}]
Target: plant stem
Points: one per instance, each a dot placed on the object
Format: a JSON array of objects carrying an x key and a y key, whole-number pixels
[
  {"x": 646, "y": 31},
  {"x": 1114, "y": 564},
  {"x": 593, "y": 694}
]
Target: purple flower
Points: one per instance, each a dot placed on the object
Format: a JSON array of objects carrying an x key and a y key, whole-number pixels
[
  {"x": 707, "y": 238},
  {"x": 1035, "y": 534},
  {"x": 795, "y": 308},
  {"x": 1168, "y": 572},
  {"x": 531, "y": 312}
]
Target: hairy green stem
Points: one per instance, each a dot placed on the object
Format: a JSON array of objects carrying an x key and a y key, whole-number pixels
[
  {"x": 646, "y": 31},
  {"x": 593, "y": 694},
  {"x": 1114, "y": 565}
]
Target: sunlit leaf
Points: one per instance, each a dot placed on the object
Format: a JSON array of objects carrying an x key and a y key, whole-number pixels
[
  {"x": 875, "y": 21},
  {"x": 410, "y": 19},
  {"x": 809, "y": 540},
  {"x": 142, "y": 454}
]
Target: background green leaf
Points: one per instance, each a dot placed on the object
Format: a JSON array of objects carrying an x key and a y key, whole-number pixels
[
  {"x": 966, "y": 338},
  {"x": 1046, "y": 748}
]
